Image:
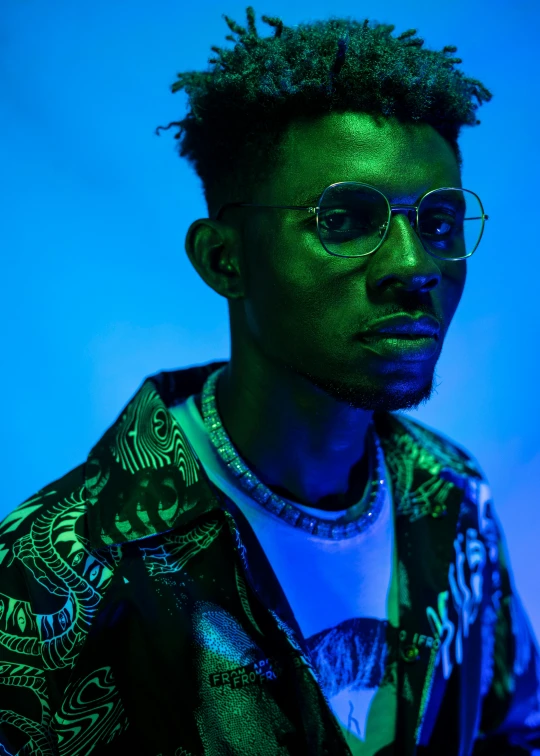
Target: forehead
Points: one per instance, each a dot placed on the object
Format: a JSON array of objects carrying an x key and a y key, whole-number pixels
[{"x": 402, "y": 159}]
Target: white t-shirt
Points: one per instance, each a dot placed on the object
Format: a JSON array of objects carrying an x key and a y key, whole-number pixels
[{"x": 342, "y": 593}]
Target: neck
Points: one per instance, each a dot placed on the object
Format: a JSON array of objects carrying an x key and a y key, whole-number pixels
[{"x": 303, "y": 444}]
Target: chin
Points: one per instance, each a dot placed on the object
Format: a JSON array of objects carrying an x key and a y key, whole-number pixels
[{"x": 382, "y": 394}]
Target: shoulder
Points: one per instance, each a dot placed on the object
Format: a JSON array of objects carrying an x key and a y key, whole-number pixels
[
  {"x": 438, "y": 446},
  {"x": 452, "y": 453}
]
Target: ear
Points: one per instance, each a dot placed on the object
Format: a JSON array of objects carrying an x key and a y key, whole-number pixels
[{"x": 214, "y": 249}]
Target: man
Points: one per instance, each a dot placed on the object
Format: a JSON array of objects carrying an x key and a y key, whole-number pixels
[{"x": 261, "y": 556}]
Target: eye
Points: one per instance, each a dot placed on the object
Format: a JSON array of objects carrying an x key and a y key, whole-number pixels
[{"x": 440, "y": 224}]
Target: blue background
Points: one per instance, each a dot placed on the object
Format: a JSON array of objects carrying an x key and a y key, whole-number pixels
[{"x": 98, "y": 293}]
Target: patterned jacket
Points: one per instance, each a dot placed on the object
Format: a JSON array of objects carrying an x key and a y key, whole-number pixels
[{"x": 138, "y": 613}]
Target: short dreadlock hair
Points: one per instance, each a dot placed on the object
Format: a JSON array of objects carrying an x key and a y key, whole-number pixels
[{"x": 241, "y": 107}]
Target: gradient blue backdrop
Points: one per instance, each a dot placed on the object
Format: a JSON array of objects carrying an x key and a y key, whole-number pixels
[{"x": 98, "y": 293}]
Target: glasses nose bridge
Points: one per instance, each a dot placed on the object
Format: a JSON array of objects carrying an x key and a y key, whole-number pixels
[{"x": 408, "y": 210}]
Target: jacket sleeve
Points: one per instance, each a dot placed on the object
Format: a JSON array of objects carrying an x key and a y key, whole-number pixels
[
  {"x": 25, "y": 708},
  {"x": 510, "y": 715}
]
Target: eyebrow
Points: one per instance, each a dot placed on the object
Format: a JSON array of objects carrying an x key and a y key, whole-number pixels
[{"x": 311, "y": 198}]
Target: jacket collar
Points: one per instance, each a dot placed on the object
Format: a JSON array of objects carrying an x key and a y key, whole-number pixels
[{"x": 143, "y": 477}]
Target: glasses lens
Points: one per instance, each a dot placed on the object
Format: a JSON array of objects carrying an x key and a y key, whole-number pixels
[
  {"x": 350, "y": 219},
  {"x": 450, "y": 222},
  {"x": 353, "y": 219}
]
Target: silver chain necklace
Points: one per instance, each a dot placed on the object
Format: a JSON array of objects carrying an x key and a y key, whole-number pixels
[{"x": 358, "y": 518}]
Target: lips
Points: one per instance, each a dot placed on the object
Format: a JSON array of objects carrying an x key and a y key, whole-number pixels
[
  {"x": 400, "y": 347},
  {"x": 405, "y": 325},
  {"x": 397, "y": 335}
]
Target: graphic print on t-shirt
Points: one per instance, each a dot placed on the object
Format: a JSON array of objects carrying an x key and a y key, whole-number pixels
[{"x": 357, "y": 668}]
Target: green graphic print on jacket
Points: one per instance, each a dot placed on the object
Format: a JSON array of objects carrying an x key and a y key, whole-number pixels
[{"x": 139, "y": 615}]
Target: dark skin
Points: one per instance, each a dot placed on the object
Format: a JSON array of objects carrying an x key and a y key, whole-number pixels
[{"x": 299, "y": 392}]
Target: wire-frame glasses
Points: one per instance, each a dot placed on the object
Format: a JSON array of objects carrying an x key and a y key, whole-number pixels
[{"x": 353, "y": 219}]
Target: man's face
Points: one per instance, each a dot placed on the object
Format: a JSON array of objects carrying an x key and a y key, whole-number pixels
[{"x": 304, "y": 308}]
